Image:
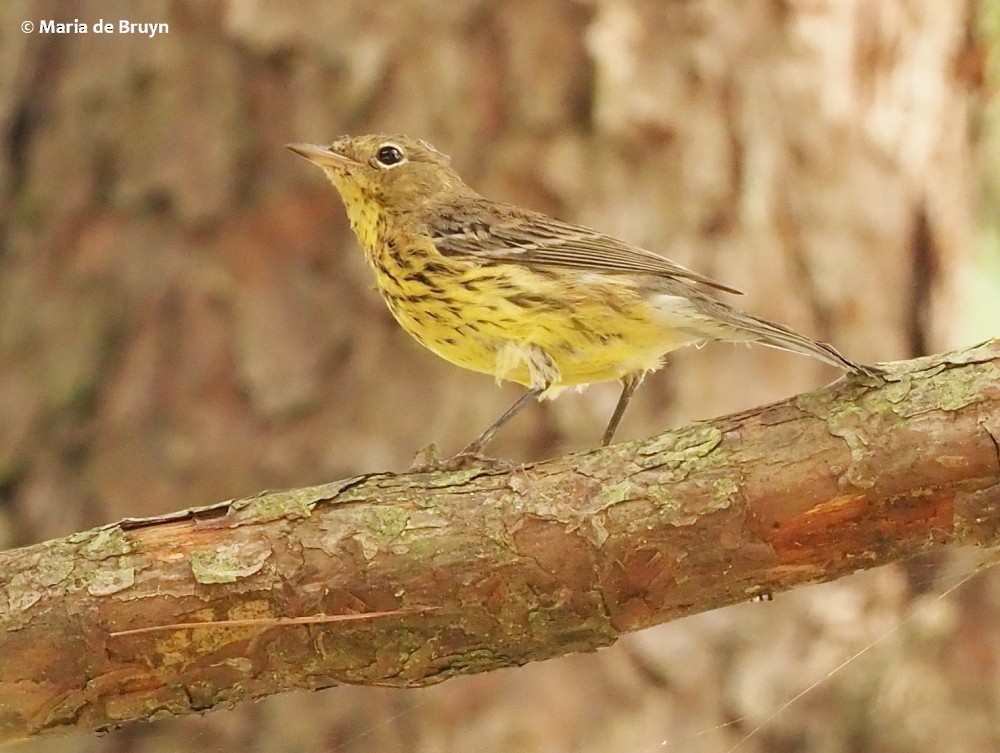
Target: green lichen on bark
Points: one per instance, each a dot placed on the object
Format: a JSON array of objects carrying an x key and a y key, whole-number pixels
[
  {"x": 108, "y": 581},
  {"x": 951, "y": 389},
  {"x": 106, "y": 542},
  {"x": 724, "y": 490},
  {"x": 227, "y": 564},
  {"x": 288, "y": 505},
  {"x": 681, "y": 448}
]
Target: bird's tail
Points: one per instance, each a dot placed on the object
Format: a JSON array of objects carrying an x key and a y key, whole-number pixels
[{"x": 778, "y": 336}]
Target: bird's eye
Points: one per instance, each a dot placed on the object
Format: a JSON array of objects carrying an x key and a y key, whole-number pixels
[{"x": 389, "y": 155}]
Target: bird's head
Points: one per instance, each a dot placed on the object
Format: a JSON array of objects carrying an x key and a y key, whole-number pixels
[{"x": 395, "y": 172}]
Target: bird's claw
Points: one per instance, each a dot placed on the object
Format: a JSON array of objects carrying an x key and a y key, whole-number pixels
[{"x": 427, "y": 461}]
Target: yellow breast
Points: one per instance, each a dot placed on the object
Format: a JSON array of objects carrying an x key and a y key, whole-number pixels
[{"x": 495, "y": 318}]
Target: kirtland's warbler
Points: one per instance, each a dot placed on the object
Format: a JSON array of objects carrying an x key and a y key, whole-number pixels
[{"x": 517, "y": 294}]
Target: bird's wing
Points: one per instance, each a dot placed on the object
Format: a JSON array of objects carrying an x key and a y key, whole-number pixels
[{"x": 522, "y": 236}]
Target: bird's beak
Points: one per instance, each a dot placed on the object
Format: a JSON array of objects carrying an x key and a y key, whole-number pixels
[{"x": 321, "y": 155}]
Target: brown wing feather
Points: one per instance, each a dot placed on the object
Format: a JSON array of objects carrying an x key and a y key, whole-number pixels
[{"x": 497, "y": 232}]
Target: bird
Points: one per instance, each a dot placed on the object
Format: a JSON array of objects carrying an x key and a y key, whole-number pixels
[{"x": 522, "y": 296}]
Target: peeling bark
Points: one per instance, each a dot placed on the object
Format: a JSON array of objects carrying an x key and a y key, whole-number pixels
[{"x": 491, "y": 567}]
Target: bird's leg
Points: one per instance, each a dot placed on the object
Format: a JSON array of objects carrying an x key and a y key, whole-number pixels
[
  {"x": 479, "y": 442},
  {"x": 630, "y": 382}
]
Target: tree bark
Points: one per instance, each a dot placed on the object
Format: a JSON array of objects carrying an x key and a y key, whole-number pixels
[{"x": 472, "y": 570}]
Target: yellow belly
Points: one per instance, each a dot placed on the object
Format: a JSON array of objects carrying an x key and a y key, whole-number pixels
[
  {"x": 506, "y": 319},
  {"x": 594, "y": 328}
]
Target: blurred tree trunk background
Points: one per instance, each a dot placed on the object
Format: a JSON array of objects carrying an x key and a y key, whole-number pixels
[{"x": 185, "y": 316}]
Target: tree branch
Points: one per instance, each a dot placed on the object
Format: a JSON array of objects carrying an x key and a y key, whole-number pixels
[{"x": 406, "y": 580}]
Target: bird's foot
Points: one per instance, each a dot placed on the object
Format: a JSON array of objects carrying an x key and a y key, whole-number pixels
[{"x": 427, "y": 460}]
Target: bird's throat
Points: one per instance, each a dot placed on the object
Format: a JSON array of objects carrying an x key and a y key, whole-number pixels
[{"x": 362, "y": 212}]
